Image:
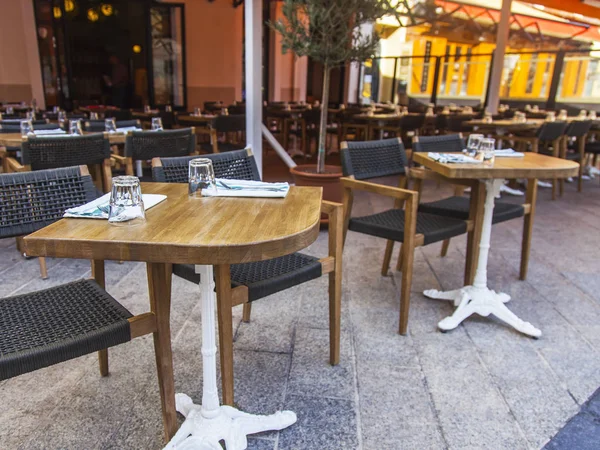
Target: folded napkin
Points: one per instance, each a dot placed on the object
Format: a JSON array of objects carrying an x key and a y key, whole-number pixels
[
  {"x": 98, "y": 209},
  {"x": 245, "y": 188},
  {"x": 508, "y": 153},
  {"x": 455, "y": 158},
  {"x": 46, "y": 132},
  {"x": 126, "y": 129}
]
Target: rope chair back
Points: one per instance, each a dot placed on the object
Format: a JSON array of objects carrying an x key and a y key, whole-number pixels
[
  {"x": 312, "y": 117},
  {"x": 230, "y": 123},
  {"x": 443, "y": 143},
  {"x": 237, "y": 109},
  {"x": 235, "y": 165},
  {"x": 441, "y": 122},
  {"x": 118, "y": 114},
  {"x": 144, "y": 145},
  {"x": 98, "y": 126},
  {"x": 455, "y": 121},
  {"x": 58, "y": 151},
  {"x": 30, "y": 201},
  {"x": 16, "y": 128},
  {"x": 17, "y": 122},
  {"x": 372, "y": 159},
  {"x": 551, "y": 131},
  {"x": 578, "y": 128},
  {"x": 76, "y": 116},
  {"x": 412, "y": 122}
]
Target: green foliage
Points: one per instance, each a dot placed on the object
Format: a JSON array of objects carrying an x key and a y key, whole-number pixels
[{"x": 329, "y": 31}]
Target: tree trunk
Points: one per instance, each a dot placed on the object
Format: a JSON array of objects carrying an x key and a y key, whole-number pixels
[{"x": 322, "y": 152}]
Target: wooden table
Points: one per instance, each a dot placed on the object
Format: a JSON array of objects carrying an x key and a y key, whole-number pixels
[
  {"x": 15, "y": 139},
  {"x": 205, "y": 232},
  {"x": 478, "y": 298},
  {"x": 505, "y": 125}
]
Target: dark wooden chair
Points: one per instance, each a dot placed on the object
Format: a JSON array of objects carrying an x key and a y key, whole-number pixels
[
  {"x": 43, "y": 328},
  {"x": 459, "y": 206},
  {"x": 403, "y": 223},
  {"x": 253, "y": 281}
]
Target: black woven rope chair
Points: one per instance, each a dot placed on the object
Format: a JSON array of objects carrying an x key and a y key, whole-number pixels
[
  {"x": 47, "y": 327},
  {"x": 573, "y": 148},
  {"x": 118, "y": 114},
  {"x": 253, "y": 281},
  {"x": 98, "y": 126},
  {"x": 373, "y": 159},
  {"x": 16, "y": 128},
  {"x": 411, "y": 125},
  {"x": 17, "y": 123},
  {"x": 227, "y": 133},
  {"x": 145, "y": 145},
  {"x": 456, "y": 123},
  {"x": 459, "y": 207},
  {"x": 38, "y": 153}
]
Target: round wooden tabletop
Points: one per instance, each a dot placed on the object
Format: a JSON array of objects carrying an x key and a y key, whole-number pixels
[
  {"x": 182, "y": 229},
  {"x": 531, "y": 165}
]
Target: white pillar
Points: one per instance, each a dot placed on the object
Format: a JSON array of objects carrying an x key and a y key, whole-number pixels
[
  {"x": 253, "y": 24},
  {"x": 501, "y": 38}
]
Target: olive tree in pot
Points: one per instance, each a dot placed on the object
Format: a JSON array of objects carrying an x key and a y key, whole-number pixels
[{"x": 331, "y": 32}]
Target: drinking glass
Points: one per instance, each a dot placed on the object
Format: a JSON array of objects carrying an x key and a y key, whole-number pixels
[
  {"x": 10, "y": 110},
  {"x": 110, "y": 125},
  {"x": 551, "y": 116},
  {"x": 55, "y": 109},
  {"x": 126, "y": 206},
  {"x": 197, "y": 112},
  {"x": 94, "y": 116},
  {"x": 562, "y": 114},
  {"x": 473, "y": 143},
  {"x": 201, "y": 176},
  {"x": 224, "y": 112},
  {"x": 75, "y": 127},
  {"x": 486, "y": 151},
  {"x": 488, "y": 118},
  {"x": 168, "y": 108},
  {"x": 157, "y": 124},
  {"x": 592, "y": 115},
  {"x": 30, "y": 115},
  {"x": 147, "y": 108},
  {"x": 62, "y": 118},
  {"x": 26, "y": 128}
]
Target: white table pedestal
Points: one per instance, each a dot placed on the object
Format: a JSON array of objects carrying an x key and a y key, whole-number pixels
[
  {"x": 207, "y": 424},
  {"x": 478, "y": 299}
]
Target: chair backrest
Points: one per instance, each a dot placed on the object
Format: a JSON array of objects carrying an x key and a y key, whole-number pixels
[
  {"x": 237, "y": 109},
  {"x": 372, "y": 159},
  {"x": 578, "y": 128},
  {"x": 16, "y": 128},
  {"x": 550, "y": 131},
  {"x": 63, "y": 151},
  {"x": 237, "y": 165},
  {"x": 17, "y": 122},
  {"x": 30, "y": 201},
  {"x": 455, "y": 121},
  {"x": 98, "y": 125},
  {"x": 443, "y": 143},
  {"x": 118, "y": 114},
  {"x": 143, "y": 145},
  {"x": 411, "y": 122},
  {"x": 230, "y": 123}
]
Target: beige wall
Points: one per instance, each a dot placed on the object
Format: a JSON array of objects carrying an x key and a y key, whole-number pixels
[
  {"x": 20, "y": 74},
  {"x": 214, "y": 41},
  {"x": 287, "y": 76}
]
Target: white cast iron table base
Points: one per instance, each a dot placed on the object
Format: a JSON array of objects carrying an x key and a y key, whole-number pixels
[
  {"x": 479, "y": 299},
  {"x": 206, "y": 425}
]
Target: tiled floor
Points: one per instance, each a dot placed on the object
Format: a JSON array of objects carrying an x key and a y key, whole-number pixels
[{"x": 480, "y": 386}]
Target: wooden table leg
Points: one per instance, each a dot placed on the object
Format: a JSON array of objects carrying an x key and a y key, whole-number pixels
[
  {"x": 159, "y": 286},
  {"x": 224, "y": 313},
  {"x": 98, "y": 274}
]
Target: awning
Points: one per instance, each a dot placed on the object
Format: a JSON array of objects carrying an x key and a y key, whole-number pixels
[{"x": 587, "y": 8}]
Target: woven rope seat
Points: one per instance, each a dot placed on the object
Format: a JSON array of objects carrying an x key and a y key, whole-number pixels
[
  {"x": 390, "y": 225},
  {"x": 264, "y": 277},
  {"x": 57, "y": 324},
  {"x": 458, "y": 208}
]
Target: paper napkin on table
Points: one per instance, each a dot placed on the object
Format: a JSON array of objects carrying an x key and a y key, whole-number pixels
[
  {"x": 98, "y": 209},
  {"x": 508, "y": 153},
  {"x": 456, "y": 158},
  {"x": 47, "y": 132},
  {"x": 246, "y": 188}
]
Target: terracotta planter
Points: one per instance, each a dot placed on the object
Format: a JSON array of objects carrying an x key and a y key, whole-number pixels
[{"x": 306, "y": 175}]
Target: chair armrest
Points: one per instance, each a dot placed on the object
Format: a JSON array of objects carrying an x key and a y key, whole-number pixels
[
  {"x": 118, "y": 158},
  {"x": 388, "y": 191},
  {"x": 330, "y": 208},
  {"x": 13, "y": 165}
]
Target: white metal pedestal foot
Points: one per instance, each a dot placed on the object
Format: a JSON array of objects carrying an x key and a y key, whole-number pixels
[
  {"x": 206, "y": 425},
  {"x": 483, "y": 301},
  {"x": 478, "y": 299}
]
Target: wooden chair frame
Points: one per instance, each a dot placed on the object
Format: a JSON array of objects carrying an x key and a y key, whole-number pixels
[
  {"x": 228, "y": 297},
  {"x": 563, "y": 154}
]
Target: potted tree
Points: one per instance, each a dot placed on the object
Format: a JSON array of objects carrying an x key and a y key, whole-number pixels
[{"x": 331, "y": 32}]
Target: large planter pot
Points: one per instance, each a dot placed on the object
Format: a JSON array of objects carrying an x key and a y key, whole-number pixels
[{"x": 306, "y": 175}]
